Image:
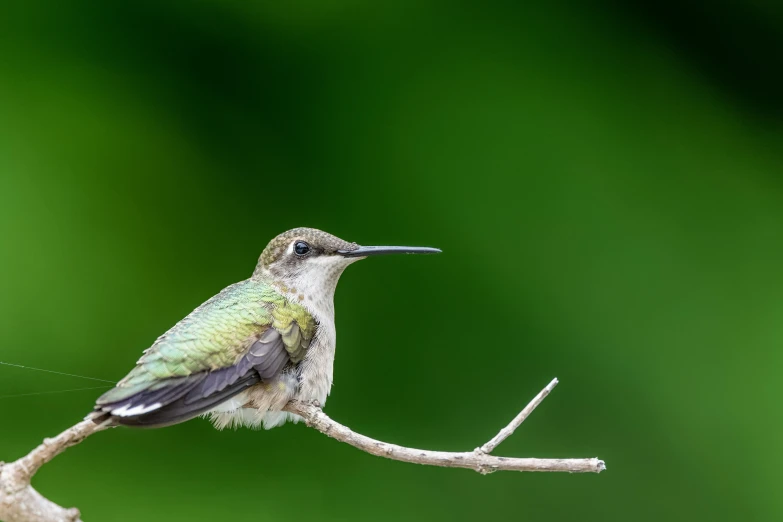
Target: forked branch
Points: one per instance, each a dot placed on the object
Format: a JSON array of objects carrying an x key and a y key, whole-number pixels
[
  {"x": 478, "y": 460},
  {"x": 19, "y": 502}
]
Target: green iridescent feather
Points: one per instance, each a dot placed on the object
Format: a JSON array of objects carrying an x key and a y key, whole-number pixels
[{"x": 216, "y": 334}]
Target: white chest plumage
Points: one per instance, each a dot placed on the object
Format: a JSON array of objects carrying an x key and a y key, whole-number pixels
[{"x": 317, "y": 369}]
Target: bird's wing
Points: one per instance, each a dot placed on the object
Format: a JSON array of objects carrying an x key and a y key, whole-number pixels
[{"x": 245, "y": 334}]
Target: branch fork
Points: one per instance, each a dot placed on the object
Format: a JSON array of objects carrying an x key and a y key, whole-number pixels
[
  {"x": 19, "y": 502},
  {"x": 480, "y": 459}
]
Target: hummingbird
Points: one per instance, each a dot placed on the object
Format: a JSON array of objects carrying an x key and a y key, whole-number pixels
[{"x": 240, "y": 357}]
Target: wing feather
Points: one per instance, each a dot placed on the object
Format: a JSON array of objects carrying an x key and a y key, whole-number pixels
[
  {"x": 245, "y": 335},
  {"x": 182, "y": 409}
]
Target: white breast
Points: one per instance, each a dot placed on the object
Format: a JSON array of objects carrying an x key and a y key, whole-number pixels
[{"x": 318, "y": 366}]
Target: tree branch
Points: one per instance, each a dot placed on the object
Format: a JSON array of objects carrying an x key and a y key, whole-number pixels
[
  {"x": 19, "y": 502},
  {"x": 478, "y": 460}
]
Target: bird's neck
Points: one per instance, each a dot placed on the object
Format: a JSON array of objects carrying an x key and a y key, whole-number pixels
[{"x": 314, "y": 294}]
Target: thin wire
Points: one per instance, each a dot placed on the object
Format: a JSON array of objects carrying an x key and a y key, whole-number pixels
[
  {"x": 51, "y": 371},
  {"x": 58, "y": 391}
]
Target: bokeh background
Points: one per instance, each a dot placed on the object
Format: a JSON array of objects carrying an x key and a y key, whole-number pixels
[{"x": 603, "y": 178}]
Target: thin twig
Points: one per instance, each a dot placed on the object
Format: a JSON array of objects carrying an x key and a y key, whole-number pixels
[
  {"x": 503, "y": 434},
  {"x": 50, "y": 448},
  {"x": 476, "y": 460}
]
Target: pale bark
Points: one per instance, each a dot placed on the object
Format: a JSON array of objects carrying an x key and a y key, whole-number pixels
[
  {"x": 478, "y": 460},
  {"x": 19, "y": 502}
]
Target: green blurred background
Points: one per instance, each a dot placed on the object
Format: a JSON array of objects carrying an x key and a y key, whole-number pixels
[{"x": 603, "y": 178}]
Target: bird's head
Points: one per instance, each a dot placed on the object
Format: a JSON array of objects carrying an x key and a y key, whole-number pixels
[{"x": 307, "y": 263}]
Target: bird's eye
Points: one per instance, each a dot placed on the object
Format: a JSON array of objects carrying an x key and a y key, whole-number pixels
[{"x": 301, "y": 248}]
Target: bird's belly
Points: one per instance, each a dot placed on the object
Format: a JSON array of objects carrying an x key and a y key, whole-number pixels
[
  {"x": 315, "y": 384},
  {"x": 260, "y": 404}
]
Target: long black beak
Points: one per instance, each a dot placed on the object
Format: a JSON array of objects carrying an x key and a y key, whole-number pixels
[{"x": 364, "y": 251}]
